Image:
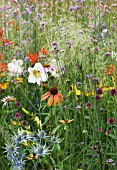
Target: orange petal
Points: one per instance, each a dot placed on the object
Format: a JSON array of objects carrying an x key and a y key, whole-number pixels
[
  {"x": 56, "y": 99},
  {"x": 61, "y": 96},
  {"x": 50, "y": 100},
  {"x": 46, "y": 95}
]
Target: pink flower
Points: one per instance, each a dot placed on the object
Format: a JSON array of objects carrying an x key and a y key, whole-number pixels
[
  {"x": 108, "y": 132},
  {"x": 111, "y": 120}
]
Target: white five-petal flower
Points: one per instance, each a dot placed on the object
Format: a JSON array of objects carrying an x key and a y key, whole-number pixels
[{"x": 37, "y": 74}]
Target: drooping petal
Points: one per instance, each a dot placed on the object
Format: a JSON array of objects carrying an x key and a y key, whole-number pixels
[
  {"x": 56, "y": 99},
  {"x": 50, "y": 100},
  {"x": 45, "y": 96},
  {"x": 61, "y": 96}
]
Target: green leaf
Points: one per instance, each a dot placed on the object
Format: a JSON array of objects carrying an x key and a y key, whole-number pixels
[
  {"x": 55, "y": 129},
  {"x": 113, "y": 136},
  {"x": 67, "y": 158}
]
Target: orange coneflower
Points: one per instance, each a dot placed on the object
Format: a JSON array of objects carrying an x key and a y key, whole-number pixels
[
  {"x": 109, "y": 70},
  {"x": 43, "y": 51},
  {"x": 33, "y": 57},
  {"x": 54, "y": 96}
]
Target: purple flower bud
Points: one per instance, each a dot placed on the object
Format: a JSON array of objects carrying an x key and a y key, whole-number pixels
[
  {"x": 18, "y": 115},
  {"x": 24, "y": 123},
  {"x": 79, "y": 83},
  {"x": 88, "y": 105},
  {"x": 100, "y": 129},
  {"x": 107, "y": 54},
  {"x": 109, "y": 160},
  {"x": 98, "y": 91},
  {"x": 78, "y": 107},
  {"x": 95, "y": 48},
  {"x": 108, "y": 132},
  {"x": 19, "y": 54},
  {"x": 111, "y": 121},
  {"x": 113, "y": 92},
  {"x": 54, "y": 44},
  {"x": 18, "y": 104},
  {"x": 24, "y": 12},
  {"x": 97, "y": 97}
]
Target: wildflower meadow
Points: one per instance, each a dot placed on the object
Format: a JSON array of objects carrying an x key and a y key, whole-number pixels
[{"x": 58, "y": 85}]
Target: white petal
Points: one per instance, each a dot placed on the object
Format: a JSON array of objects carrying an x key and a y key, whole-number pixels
[
  {"x": 30, "y": 70},
  {"x": 43, "y": 77},
  {"x": 32, "y": 79},
  {"x": 38, "y": 66},
  {"x": 20, "y": 62},
  {"x": 39, "y": 81}
]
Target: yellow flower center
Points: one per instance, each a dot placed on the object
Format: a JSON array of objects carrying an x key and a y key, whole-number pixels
[{"x": 36, "y": 73}]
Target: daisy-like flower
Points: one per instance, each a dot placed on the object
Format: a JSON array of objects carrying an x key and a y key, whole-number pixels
[
  {"x": 15, "y": 67},
  {"x": 52, "y": 68},
  {"x": 37, "y": 74},
  {"x": 54, "y": 96},
  {"x": 66, "y": 121},
  {"x": 8, "y": 99}
]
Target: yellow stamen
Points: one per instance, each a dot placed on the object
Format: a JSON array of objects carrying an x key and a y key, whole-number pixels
[{"x": 36, "y": 73}]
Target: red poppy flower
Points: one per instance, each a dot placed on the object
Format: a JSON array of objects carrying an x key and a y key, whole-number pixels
[
  {"x": 43, "y": 51},
  {"x": 33, "y": 57},
  {"x": 54, "y": 96}
]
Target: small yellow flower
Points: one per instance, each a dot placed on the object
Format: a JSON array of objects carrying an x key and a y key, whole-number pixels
[
  {"x": 78, "y": 92},
  {"x": 89, "y": 93},
  {"x": 3, "y": 86},
  {"x": 16, "y": 123},
  {"x": 31, "y": 156},
  {"x": 25, "y": 143},
  {"x": 19, "y": 80},
  {"x": 36, "y": 119}
]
